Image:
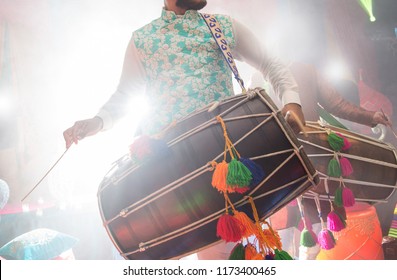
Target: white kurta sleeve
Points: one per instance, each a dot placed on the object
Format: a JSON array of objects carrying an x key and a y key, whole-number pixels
[
  {"x": 132, "y": 82},
  {"x": 250, "y": 50}
]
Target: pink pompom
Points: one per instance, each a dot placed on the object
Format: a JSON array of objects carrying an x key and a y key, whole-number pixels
[
  {"x": 326, "y": 239},
  {"x": 346, "y": 167},
  {"x": 346, "y": 142},
  {"x": 348, "y": 197},
  {"x": 335, "y": 222}
]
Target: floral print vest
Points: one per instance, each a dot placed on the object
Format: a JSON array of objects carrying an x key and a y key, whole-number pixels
[{"x": 185, "y": 68}]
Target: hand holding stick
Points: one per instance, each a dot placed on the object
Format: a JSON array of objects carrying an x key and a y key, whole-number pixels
[{"x": 391, "y": 128}]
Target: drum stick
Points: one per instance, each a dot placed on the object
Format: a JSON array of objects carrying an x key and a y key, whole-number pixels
[
  {"x": 45, "y": 175},
  {"x": 300, "y": 124},
  {"x": 391, "y": 128}
]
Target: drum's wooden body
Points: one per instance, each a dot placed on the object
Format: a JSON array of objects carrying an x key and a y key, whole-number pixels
[
  {"x": 166, "y": 208},
  {"x": 374, "y": 163}
]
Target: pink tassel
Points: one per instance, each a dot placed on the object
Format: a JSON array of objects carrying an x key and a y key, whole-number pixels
[
  {"x": 346, "y": 142},
  {"x": 335, "y": 222},
  {"x": 348, "y": 197},
  {"x": 326, "y": 239},
  {"x": 346, "y": 166}
]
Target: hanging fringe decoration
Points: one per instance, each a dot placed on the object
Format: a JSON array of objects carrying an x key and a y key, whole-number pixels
[
  {"x": 251, "y": 253},
  {"x": 219, "y": 177},
  {"x": 281, "y": 255},
  {"x": 238, "y": 252},
  {"x": 229, "y": 228},
  {"x": 335, "y": 141},
  {"x": 239, "y": 174},
  {"x": 344, "y": 196},
  {"x": 346, "y": 166},
  {"x": 258, "y": 174},
  {"x": 308, "y": 238},
  {"x": 325, "y": 237},
  {"x": 334, "y": 169},
  {"x": 334, "y": 221},
  {"x": 346, "y": 142},
  {"x": 248, "y": 226}
]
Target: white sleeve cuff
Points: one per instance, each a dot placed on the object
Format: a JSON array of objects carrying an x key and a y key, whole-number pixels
[
  {"x": 290, "y": 97},
  {"x": 106, "y": 119}
]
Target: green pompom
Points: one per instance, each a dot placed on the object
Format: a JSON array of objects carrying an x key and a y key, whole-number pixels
[
  {"x": 335, "y": 141},
  {"x": 334, "y": 168},
  {"x": 238, "y": 174},
  {"x": 281, "y": 255},
  {"x": 238, "y": 252},
  {"x": 338, "y": 200},
  {"x": 307, "y": 239}
]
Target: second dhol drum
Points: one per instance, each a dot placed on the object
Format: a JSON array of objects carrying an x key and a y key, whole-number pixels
[{"x": 374, "y": 163}]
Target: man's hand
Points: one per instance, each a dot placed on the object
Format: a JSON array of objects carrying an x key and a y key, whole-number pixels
[
  {"x": 82, "y": 129},
  {"x": 381, "y": 118},
  {"x": 294, "y": 116}
]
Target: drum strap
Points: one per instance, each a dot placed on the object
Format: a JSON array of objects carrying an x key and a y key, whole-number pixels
[{"x": 220, "y": 39}]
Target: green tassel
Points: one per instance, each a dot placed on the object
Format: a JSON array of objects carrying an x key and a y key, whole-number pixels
[
  {"x": 334, "y": 168},
  {"x": 238, "y": 175},
  {"x": 281, "y": 255},
  {"x": 307, "y": 239},
  {"x": 335, "y": 141},
  {"x": 238, "y": 252},
  {"x": 338, "y": 197}
]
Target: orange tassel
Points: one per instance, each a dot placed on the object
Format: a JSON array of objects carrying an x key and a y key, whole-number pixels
[
  {"x": 248, "y": 226},
  {"x": 219, "y": 177},
  {"x": 251, "y": 253}
]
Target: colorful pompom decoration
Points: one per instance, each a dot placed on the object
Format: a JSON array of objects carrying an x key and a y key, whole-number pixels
[
  {"x": 335, "y": 141},
  {"x": 334, "y": 168},
  {"x": 257, "y": 172},
  {"x": 346, "y": 166},
  {"x": 238, "y": 252},
  {"x": 326, "y": 239},
  {"x": 229, "y": 228},
  {"x": 346, "y": 142},
  {"x": 335, "y": 222}
]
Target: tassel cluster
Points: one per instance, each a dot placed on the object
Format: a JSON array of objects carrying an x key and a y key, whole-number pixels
[
  {"x": 339, "y": 167},
  {"x": 238, "y": 176}
]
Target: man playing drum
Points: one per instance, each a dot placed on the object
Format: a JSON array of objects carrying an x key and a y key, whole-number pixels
[{"x": 177, "y": 62}]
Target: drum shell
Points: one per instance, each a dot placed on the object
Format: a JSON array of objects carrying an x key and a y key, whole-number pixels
[{"x": 175, "y": 208}]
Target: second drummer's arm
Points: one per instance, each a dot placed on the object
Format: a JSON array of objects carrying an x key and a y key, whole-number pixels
[
  {"x": 334, "y": 103},
  {"x": 250, "y": 50}
]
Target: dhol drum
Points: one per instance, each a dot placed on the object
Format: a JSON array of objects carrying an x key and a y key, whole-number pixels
[
  {"x": 166, "y": 207},
  {"x": 374, "y": 164}
]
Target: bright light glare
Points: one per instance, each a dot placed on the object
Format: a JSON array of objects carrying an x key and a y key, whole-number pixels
[
  {"x": 6, "y": 105},
  {"x": 336, "y": 70}
]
